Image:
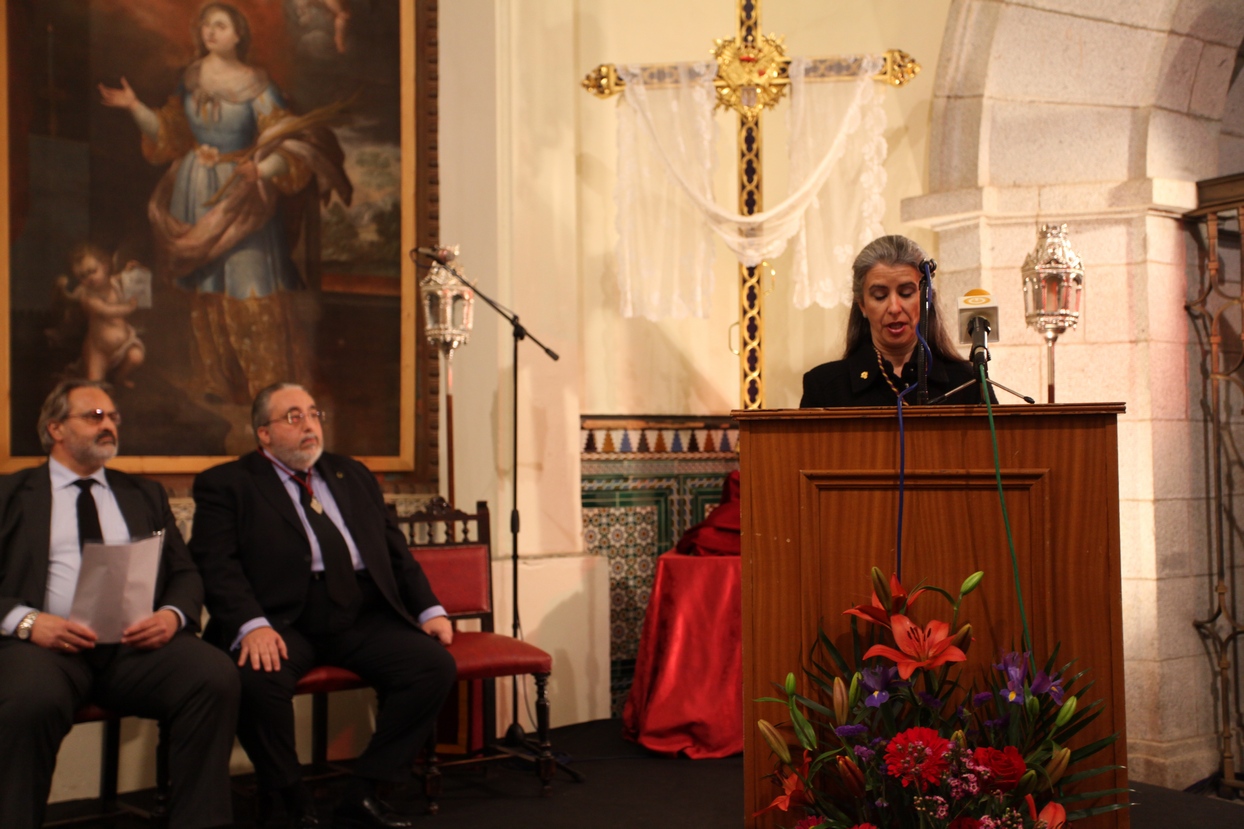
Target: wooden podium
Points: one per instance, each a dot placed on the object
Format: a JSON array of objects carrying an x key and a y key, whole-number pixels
[{"x": 820, "y": 504}]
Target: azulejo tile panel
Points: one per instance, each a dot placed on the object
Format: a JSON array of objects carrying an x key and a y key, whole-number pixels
[{"x": 644, "y": 482}]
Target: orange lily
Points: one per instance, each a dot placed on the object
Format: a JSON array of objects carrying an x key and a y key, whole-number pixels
[
  {"x": 925, "y": 648},
  {"x": 877, "y": 612},
  {"x": 793, "y": 792},
  {"x": 1054, "y": 815}
]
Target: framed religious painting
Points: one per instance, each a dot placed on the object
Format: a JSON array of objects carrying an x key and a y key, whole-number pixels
[{"x": 199, "y": 199}]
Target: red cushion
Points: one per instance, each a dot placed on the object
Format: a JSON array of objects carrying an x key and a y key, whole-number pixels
[
  {"x": 487, "y": 655},
  {"x": 92, "y": 713},
  {"x": 458, "y": 575},
  {"x": 327, "y": 678}
]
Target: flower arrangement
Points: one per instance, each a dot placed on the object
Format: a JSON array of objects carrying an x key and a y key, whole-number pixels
[{"x": 895, "y": 739}]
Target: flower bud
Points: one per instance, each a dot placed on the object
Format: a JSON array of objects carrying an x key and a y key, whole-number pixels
[
  {"x": 1033, "y": 706},
  {"x": 851, "y": 776},
  {"x": 959, "y": 737},
  {"x": 775, "y": 740},
  {"x": 790, "y": 684},
  {"x": 971, "y": 583},
  {"x": 963, "y": 639},
  {"x": 841, "y": 709},
  {"x": 1027, "y": 784},
  {"x": 1065, "y": 713},
  {"x": 853, "y": 695},
  {"x": 881, "y": 588},
  {"x": 1057, "y": 766}
]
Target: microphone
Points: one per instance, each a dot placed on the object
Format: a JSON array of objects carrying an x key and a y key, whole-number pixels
[
  {"x": 977, "y": 303},
  {"x": 978, "y": 318},
  {"x": 441, "y": 256}
]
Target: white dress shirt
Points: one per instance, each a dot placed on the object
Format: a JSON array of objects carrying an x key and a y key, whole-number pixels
[
  {"x": 319, "y": 488},
  {"x": 64, "y": 554}
]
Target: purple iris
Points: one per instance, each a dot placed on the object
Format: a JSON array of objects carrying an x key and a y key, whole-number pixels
[
  {"x": 1043, "y": 683},
  {"x": 980, "y": 699},
  {"x": 848, "y": 732},
  {"x": 877, "y": 680},
  {"x": 1014, "y": 665}
]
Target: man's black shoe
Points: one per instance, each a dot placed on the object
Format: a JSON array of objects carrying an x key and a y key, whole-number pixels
[
  {"x": 307, "y": 820},
  {"x": 368, "y": 813}
]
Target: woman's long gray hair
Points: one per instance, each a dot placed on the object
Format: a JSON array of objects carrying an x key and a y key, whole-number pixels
[{"x": 893, "y": 251}]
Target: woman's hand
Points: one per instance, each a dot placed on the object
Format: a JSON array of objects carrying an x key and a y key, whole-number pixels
[{"x": 123, "y": 98}]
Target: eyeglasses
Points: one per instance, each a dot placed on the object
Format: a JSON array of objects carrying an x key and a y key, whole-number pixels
[
  {"x": 97, "y": 416},
  {"x": 296, "y": 416}
]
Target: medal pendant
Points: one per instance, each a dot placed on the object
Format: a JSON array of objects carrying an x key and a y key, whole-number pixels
[{"x": 317, "y": 506}]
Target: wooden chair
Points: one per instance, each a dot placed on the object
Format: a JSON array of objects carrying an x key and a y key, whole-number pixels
[
  {"x": 457, "y": 560},
  {"x": 109, "y": 764},
  {"x": 458, "y": 563}
]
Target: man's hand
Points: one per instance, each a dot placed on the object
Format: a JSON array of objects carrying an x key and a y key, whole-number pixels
[
  {"x": 441, "y": 628},
  {"x": 263, "y": 648},
  {"x": 153, "y": 632},
  {"x": 56, "y": 633}
]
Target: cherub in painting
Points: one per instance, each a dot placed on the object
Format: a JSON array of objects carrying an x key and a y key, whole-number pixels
[{"x": 111, "y": 348}]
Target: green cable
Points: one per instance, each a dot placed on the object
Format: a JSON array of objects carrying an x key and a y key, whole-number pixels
[{"x": 1006, "y": 519}]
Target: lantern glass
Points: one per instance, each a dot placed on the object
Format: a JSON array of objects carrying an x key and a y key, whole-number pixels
[{"x": 448, "y": 305}]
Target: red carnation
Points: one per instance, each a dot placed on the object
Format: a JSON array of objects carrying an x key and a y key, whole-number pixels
[
  {"x": 1005, "y": 767},
  {"x": 917, "y": 755}
]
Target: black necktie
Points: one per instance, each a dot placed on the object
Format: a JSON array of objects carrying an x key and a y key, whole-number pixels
[
  {"x": 343, "y": 589},
  {"x": 88, "y": 515}
]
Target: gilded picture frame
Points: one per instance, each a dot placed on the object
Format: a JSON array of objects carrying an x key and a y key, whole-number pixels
[{"x": 101, "y": 274}]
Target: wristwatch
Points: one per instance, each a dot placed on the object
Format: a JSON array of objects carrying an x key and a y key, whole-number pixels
[{"x": 26, "y": 625}]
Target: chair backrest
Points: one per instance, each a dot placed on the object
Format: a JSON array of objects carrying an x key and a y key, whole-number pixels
[{"x": 453, "y": 548}]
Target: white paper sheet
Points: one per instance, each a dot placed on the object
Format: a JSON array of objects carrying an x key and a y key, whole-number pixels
[{"x": 116, "y": 585}]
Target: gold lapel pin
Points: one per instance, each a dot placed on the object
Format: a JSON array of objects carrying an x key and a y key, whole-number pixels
[
  {"x": 339, "y": 475},
  {"x": 863, "y": 375}
]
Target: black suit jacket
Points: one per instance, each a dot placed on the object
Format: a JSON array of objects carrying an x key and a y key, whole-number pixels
[
  {"x": 253, "y": 552},
  {"x": 856, "y": 380},
  {"x": 26, "y": 531}
]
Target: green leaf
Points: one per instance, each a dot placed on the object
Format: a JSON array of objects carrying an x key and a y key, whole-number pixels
[
  {"x": 1081, "y": 814},
  {"x": 815, "y": 706},
  {"x": 1092, "y": 748},
  {"x": 1076, "y": 797},
  {"x": 823, "y": 640},
  {"x": 1085, "y": 775},
  {"x": 803, "y": 729}
]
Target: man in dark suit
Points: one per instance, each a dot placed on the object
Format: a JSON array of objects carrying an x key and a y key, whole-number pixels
[
  {"x": 52, "y": 665},
  {"x": 303, "y": 566}
]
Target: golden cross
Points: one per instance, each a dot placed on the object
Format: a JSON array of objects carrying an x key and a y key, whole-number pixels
[{"x": 751, "y": 77}]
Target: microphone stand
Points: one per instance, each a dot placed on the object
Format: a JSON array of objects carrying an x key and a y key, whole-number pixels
[
  {"x": 978, "y": 327},
  {"x": 927, "y": 267},
  {"x": 515, "y": 736}
]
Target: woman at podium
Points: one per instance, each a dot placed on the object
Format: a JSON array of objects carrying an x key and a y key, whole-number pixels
[{"x": 880, "y": 359}]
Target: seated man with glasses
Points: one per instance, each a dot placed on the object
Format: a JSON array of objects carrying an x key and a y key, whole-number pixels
[
  {"x": 52, "y": 665},
  {"x": 303, "y": 566}
]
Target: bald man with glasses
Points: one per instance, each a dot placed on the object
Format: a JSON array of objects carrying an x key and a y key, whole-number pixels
[
  {"x": 50, "y": 665},
  {"x": 303, "y": 566}
]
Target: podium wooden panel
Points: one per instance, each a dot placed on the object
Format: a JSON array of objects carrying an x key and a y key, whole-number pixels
[{"x": 820, "y": 503}]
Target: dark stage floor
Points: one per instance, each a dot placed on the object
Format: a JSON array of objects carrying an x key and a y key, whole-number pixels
[{"x": 629, "y": 787}]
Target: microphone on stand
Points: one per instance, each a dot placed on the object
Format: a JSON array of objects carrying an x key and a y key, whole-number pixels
[
  {"x": 441, "y": 256},
  {"x": 978, "y": 318}
]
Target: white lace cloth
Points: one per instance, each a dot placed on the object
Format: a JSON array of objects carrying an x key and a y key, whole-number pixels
[{"x": 666, "y": 215}]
